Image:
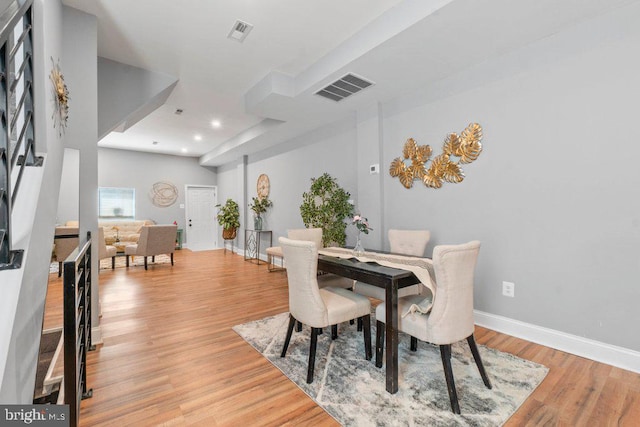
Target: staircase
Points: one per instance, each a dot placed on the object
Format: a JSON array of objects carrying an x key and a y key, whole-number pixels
[
  {"x": 50, "y": 371},
  {"x": 17, "y": 143}
]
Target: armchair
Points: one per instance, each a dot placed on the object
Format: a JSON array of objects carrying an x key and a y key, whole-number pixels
[
  {"x": 104, "y": 250},
  {"x": 66, "y": 240},
  {"x": 154, "y": 240}
]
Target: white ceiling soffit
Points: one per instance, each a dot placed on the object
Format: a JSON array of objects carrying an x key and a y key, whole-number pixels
[{"x": 263, "y": 90}]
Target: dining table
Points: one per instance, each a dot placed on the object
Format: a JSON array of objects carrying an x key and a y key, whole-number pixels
[{"x": 362, "y": 268}]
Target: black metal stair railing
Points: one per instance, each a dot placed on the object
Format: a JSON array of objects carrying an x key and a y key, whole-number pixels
[
  {"x": 77, "y": 328},
  {"x": 17, "y": 142}
]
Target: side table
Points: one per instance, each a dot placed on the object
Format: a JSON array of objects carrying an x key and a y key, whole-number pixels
[{"x": 252, "y": 239}]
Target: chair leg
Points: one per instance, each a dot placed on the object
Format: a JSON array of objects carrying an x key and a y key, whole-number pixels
[
  {"x": 292, "y": 323},
  {"x": 334, "y": 332},
  {"x": 476, "y": 357},
  {"x": 359, "y": 324},
  {"x": 379, "y": 343},
  {"x": 113, "y": 262},
  {"x": 145, "y": 263},
  {"x": 171, "y": 258},
  {"x": 445, "y": 353},
  {"x": 59, "y": 269},
  {"x": 153, "y": 258},
  {"x": 127, "y": 257},
  {"x": 312, "y": 354},
  {"x": 366, "y": 323},
  {"x": 298, "y": 327},
  {"x": 414, "y": 344}
]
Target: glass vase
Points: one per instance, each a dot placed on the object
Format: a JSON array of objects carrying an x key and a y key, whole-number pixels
[
  {"x": 257, "y": 223},
  {"x": 358, "y": 250}
]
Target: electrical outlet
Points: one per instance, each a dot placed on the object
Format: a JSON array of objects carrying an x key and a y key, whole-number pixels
[
  {"x": 373, "y": 169},
  {"x": 508, "y": 289}
]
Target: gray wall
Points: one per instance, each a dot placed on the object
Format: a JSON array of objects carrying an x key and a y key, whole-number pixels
[
  {"x": 290, "y": 167},
  {"x": 551, "y": 198},
  {"x": 68, "y": 202},
  {"x": 131, "y": 169}
]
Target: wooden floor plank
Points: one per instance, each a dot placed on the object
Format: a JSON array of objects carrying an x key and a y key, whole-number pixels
[{"x": 170, "y": 357}]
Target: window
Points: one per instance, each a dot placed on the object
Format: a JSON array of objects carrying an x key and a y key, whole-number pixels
[{"x": 116, "y": 203}]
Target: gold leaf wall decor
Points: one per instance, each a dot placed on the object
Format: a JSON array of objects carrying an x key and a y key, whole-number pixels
[
  {"x": 466, "y": 147},
  {"x": 60, "y": 98}
]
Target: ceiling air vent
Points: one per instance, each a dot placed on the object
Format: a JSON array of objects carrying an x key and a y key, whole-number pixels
[
  {"x": 344, "y": 87},
  {"x": 240, "y": 31}
]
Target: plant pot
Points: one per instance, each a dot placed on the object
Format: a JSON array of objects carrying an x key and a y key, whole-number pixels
[{"x": 229, "y": 233}]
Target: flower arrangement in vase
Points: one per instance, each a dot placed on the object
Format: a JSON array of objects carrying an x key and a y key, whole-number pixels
[
  {"x": 259, "y": 206},
  {"x": 362, "y": 225}
]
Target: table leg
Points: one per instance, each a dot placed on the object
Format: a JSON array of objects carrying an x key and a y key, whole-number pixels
[
  {"x": 258, "y": 247},
  {"x": 391, "y": 325}
]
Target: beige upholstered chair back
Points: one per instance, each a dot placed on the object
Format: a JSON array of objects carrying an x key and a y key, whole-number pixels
[
  {"x": 305, "y": 302},
  {"x": 157, "y": 239},
  {"x": 409, "y": 242},
  {"x": 451, "y": 317},
  {"x": 309, "y": 234},
  {"x": 102, "y": 245},
  {"x": 64, "y": 247}
]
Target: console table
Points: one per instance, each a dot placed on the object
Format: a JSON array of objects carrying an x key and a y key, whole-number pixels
[{"x": 252, "y": 239}]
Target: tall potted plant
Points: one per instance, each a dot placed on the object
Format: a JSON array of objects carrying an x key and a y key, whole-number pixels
[
  {"x": 326, "y": 205},
  {"x": 259, "y": 206},
  {"x": 229, "y": 219}
]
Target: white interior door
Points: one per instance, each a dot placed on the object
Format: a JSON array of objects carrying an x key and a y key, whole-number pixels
[{"x": 200, "y": 211}]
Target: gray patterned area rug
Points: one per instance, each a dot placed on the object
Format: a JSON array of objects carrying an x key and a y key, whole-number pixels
[{"x": 352, "y": 390}]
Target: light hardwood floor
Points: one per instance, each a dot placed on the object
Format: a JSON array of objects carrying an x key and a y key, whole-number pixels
[{"x": 169, "y": 355}]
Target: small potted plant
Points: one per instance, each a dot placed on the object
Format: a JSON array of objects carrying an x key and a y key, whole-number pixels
[
  {"x": 259, "y": 206},
  {"x": 229, "y": 219}
]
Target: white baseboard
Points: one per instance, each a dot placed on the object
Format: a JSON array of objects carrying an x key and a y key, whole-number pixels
[{"x": 595, "y": 350}]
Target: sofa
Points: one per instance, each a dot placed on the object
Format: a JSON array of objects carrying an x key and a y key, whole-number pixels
[{"x": 123, "y": 231}]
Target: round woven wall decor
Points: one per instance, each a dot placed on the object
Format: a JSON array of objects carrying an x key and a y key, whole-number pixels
[{"x": 163, "y": 194}]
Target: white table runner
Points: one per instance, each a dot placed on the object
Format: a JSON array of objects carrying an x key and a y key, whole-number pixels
[{"x": 422, "y": 268}]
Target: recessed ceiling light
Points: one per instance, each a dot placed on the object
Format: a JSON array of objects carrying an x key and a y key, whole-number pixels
[
  {"x": 216, "y": 123},
  {"x": 155, "y": 142},
  {"x": 184, "y": 150},
  {"x": 198, "y": 137}
]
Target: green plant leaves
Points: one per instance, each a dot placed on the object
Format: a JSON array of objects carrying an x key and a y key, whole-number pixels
[
  {"x": 326, "y": 205},
  {"x": 229, "y": 214}
]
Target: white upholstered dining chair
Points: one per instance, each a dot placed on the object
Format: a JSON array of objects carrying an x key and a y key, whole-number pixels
[
  {"x": 307, "y": 234},
  {"x": 403, "y": 242},
  {"x": 451, "y": 317},
  {"x": 310, "y": 235},
  {"x": 315, "y": 307},
  {"x": 104, "y": 250}
]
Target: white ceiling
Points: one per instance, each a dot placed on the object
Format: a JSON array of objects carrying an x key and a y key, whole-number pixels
[{"x": 262, "y": 90}]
